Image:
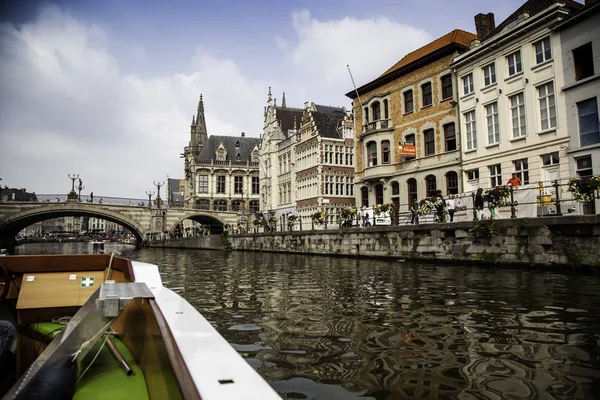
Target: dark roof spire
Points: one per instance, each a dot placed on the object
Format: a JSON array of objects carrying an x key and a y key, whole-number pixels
[
  {"x": 200, "y": 121},
  {"x": 269, "y": 97},
  {"x": 283, "y": 101},
  {"x": 193, "y": 120}
]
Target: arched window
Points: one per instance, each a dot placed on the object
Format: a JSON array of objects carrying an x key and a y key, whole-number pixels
[
  {"x": 238, "y": 157},
  {"x": 430, "y": 185},
  {"x": 385, "y": 152},
  {"x": 237, "y": 205},
  {"x": 254, "y": 206},
  {"x": 395, "y": 188},
  {"x": 371, "y": 154},
  {"x": 366, "y": 115},
  {"x": 203, "y": 204},
  {"x": 220, "y": 205},
  {"x": 237, "y": 144},
  {"x": 411, "y": 186},
  {"x": 376, "y": 107},
  {"x": 452, "y": 183},
  {"x": 364, "y": 195},
  {"x": 379, "y": 194}
]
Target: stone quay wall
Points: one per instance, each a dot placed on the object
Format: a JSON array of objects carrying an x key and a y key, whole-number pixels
[
  {"x": 567, "y": 241},
  {"x": 205, "y": 242}
]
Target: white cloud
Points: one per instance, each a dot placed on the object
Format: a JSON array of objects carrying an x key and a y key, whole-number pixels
[
  {"x": 324, "y": 48},
  {"x": 67, "y": 107},
  {"x": 66, "y": 104}
]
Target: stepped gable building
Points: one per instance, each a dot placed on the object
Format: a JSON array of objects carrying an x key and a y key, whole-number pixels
[
  {"x": 408, "y": 144},
  {"x": 512, "y": 98},
  {"x": 221, "y": 171},
  {"x": 306, "y": 159},
  {"x": 579, "y": 35},
  {"x": 324, "y": 161}
]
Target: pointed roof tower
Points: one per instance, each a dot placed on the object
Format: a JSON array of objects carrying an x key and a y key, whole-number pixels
[{"x": 200, "y": 135}]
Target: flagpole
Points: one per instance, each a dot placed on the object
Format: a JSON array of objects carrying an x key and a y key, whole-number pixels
[{"x": 357, "y": 95}]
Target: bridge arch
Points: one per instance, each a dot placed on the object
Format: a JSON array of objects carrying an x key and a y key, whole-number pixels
[
  {"x": 12, "y": 225},
  {"x": 216, "y": 224}
]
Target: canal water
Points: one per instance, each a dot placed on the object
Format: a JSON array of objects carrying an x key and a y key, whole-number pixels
[{"x": 343, "y": 328}]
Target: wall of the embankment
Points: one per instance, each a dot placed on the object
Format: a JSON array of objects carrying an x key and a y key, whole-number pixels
[
  {"x": 570, "y": 241},
  {"x": 206, "y": 242}
]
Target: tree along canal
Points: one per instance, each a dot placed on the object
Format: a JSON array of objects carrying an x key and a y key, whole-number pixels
[{"x": 334, "y": 328}]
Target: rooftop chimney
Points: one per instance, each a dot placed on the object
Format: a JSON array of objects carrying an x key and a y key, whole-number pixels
[
  {"x": 484, "y": 24},
  {"x": 243, "y": 134}
]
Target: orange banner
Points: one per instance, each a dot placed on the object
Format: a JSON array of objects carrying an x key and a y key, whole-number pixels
[{"x": 407, "y": 149}]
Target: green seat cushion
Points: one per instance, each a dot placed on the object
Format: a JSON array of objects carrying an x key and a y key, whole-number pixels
[
  {"x": 47, "y": 328},
  {"x": 105, "y": 380}
]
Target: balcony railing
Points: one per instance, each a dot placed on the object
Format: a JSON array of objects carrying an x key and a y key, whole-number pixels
[{"x": 377, "y": 125}]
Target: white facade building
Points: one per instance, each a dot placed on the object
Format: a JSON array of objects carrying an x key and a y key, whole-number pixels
[
  {"x": 580, "y": 53},
  {"x": 512, "y": 108}
]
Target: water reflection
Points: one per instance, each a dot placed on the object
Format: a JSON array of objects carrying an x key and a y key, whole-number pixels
[{"x": 338, "y": 328}]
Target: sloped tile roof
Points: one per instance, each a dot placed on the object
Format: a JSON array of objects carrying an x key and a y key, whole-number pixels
[
  {"x": 591, "y": 8},
  {"x": 328, "y": 120},
  {"x": 454, "y": 40},
  {"x": 286, "y": 116},
  {"x": 208, "y": 152},
  {"x": 456, "y": 36},
  {"x": 532, "y": 7}
]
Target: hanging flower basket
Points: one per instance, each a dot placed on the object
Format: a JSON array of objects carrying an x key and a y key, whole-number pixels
[
  {"x": 497, "y": 197},
  {"x": 428, "y": 204},
  {"x": 318, "y": 218},
  {"x": 348, "y": 214},
  {"x": 382, "y": 208},
  {"x": 584, "y": 189}
]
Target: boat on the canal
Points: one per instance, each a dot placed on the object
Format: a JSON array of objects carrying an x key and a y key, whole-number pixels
[{"x": 101, "y": 327}]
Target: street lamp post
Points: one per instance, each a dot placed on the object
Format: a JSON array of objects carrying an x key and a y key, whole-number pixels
[
  {"x": 72, "y": 195},
  {"x": 158, "y": 186},
  {"x": 149, "y": 194},
  {"x": 80, "y": 187}
]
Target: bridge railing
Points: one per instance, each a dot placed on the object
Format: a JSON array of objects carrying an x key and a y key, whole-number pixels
[{"x": 61, "y": 198}]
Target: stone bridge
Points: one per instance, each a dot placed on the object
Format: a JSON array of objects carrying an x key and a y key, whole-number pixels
[{"x": 141, "y": 221}]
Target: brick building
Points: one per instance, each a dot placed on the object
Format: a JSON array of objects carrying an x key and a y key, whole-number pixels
[{"x": 412, "y": 103}]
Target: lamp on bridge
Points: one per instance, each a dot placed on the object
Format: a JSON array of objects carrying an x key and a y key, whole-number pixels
[
  {"x": 158, "y": 186},
  {"x": 80, "y": 187},
  {"x": 149, "y": 194},
  {"x": 72, "y": 196}
]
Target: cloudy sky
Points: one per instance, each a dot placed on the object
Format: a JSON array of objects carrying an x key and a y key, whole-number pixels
[{"x": 107, "y": 88}]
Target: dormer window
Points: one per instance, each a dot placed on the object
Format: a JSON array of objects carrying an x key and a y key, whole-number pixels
[
  {"x": 238, "y": 157},
  {"x": 237, "y": 144}
]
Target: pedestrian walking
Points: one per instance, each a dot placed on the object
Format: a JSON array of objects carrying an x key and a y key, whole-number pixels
[{"x": 451, "y": 206}]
